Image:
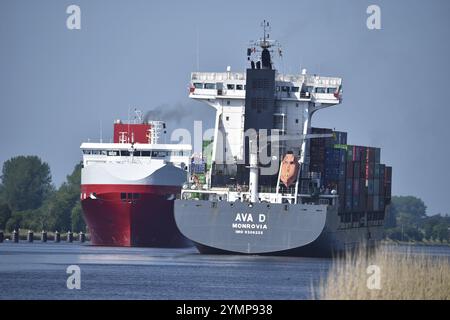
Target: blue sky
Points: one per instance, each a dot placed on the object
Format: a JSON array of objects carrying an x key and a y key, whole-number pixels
[{"x": 58, "y": 85}]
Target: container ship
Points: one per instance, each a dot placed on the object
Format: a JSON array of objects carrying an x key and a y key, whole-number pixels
[
  {"x": 128, "y": 187},
  {"x": 274, "y": 184}
]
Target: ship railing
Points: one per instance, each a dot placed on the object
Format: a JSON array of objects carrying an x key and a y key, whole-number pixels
[
  {"x": 217, "y": 76},
  {"x": 309, "y": 79},
  {"x": 200, "y": 191}
]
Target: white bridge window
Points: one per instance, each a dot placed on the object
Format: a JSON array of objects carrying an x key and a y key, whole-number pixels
[
  {"x": 210, "y": 86},
  {"x": 321, "y": 90},
  {"x": 159, "y": 154}
]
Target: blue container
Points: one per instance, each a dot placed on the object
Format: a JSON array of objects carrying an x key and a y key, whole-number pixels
[
  {"x": 370, "y": 187},
  {"x": 348, "y": 202},
  {"x": 356, "y": 204},
  {"x": 349, "y": 187}
]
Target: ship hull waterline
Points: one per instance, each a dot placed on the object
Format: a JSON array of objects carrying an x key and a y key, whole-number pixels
[
  {"x": 269, "y": 229},
  {"x": 146, "y": 220}
]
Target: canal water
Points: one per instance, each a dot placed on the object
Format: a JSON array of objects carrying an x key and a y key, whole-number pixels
[{"x": 39, "y": 271}]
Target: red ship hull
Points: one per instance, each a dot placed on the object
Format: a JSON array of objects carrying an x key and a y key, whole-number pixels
[{"x": 132, "y": 215}]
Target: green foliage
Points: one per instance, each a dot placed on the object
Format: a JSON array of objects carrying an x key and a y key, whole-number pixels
[
  {"x": 413, "y": 234},
  {"x": 58, "y": 210},
  {"x": 5, "y": 215},
  {"x": 408, "y": 210},
  {"x": 78, "y": 223},
  {"x": 30, "y": 202},
  {"x": 394, "y": 234},
  {"x": 26, "y": 182},
  {"x": 412, "y": 223},
  {"x": 13, "y": 223},
  {"x": 404, "y": 234},
  {"x": 441, "y": 232}
]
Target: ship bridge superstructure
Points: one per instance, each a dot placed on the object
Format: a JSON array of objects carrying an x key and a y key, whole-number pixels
[{"x": 295, "y": 99}]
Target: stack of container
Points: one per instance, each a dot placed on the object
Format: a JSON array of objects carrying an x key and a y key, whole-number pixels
[
  {"x": 317, "y": 150},
  {"x": 198, "y": 168},
  {"x": 362, "y": 182}
]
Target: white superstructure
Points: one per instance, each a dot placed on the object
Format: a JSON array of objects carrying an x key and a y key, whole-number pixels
[
  {"x": 135, "y": 164},
  {"x": 287, "y": 114},
  {"x": 297, "y": 97}
]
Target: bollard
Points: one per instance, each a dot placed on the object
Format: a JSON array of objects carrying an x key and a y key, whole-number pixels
[
  {"x": 30, "y": 236},
  {"x": 69, "y": 236},
  {"x": 2, "y": 236},
  {"x": 44, "y": 236},
  {"x": 82, "y": 237},
  {"x": 15, "y": 236},
  {"x": 57, "y": 236}
]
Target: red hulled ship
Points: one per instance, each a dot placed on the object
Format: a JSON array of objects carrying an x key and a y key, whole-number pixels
[{"x": 128, "y": 187}]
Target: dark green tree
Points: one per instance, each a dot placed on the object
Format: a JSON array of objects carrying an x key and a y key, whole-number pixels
[
  {"x": 441, "y": 232},
  {"x": 5, "y": 215},
  {"x": 14, "y": 222},
  {"x": 408, "y": 210},
  {"x": 428, "y": 225},
  {"x": 57, "y": 212},
  {"x": 78, "y": 223},
  {"x": 26, "y": 182}
]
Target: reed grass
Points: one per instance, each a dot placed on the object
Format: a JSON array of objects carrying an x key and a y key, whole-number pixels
[{"x": 403, "y": 276}]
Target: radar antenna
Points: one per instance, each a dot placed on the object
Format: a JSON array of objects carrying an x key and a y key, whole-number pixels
[{"x": 263, "y": 47}]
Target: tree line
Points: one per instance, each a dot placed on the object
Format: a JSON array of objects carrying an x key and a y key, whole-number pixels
[
  {"x": 408, "y": 221},
  {"x": 29, "y": 199}
]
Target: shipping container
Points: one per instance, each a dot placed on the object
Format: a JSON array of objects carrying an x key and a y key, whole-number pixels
[
  {"x": 370, "y": 187},
  {"x": 348, "y": 202},
  {"x": 376, "y": 203},
  {"x": 362, "y": 182},
  {"x": 382, "y": 203},
  {"x": 388, "y": 174},
  {"x": 356, "y": 153},
  {"x": 388, "y": 190},
  {"x": 376, "y": 174},
  {"x": 370, "y": 154},
  {"x": 350, "y": 153},
  {"x": 382, "y": 170},
  {"x": 376, "y": 186},
  {"x": 356, "y": 185},
  {"x": 349, "y": 187},
  {"x": 356, "y": 170},
  {"x": 341, "y": 188},
  {"x": 349, "y": 171},
  {"x": 363, "y": 154},
  {"x": 382, "y": 190},
  {"x": 377, "y": 155},
  {"x": 363, "y": 200},
  {"x": 369, "y": 203},
  {"x": 371, "y": 170},
  {"x": 356, "y": 204}
]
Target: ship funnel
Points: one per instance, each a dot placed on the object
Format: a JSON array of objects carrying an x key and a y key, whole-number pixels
[{"x": 265, "y": 59}]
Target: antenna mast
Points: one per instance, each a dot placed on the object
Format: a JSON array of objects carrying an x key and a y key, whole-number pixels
[{"x": 264, "y": 45}]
